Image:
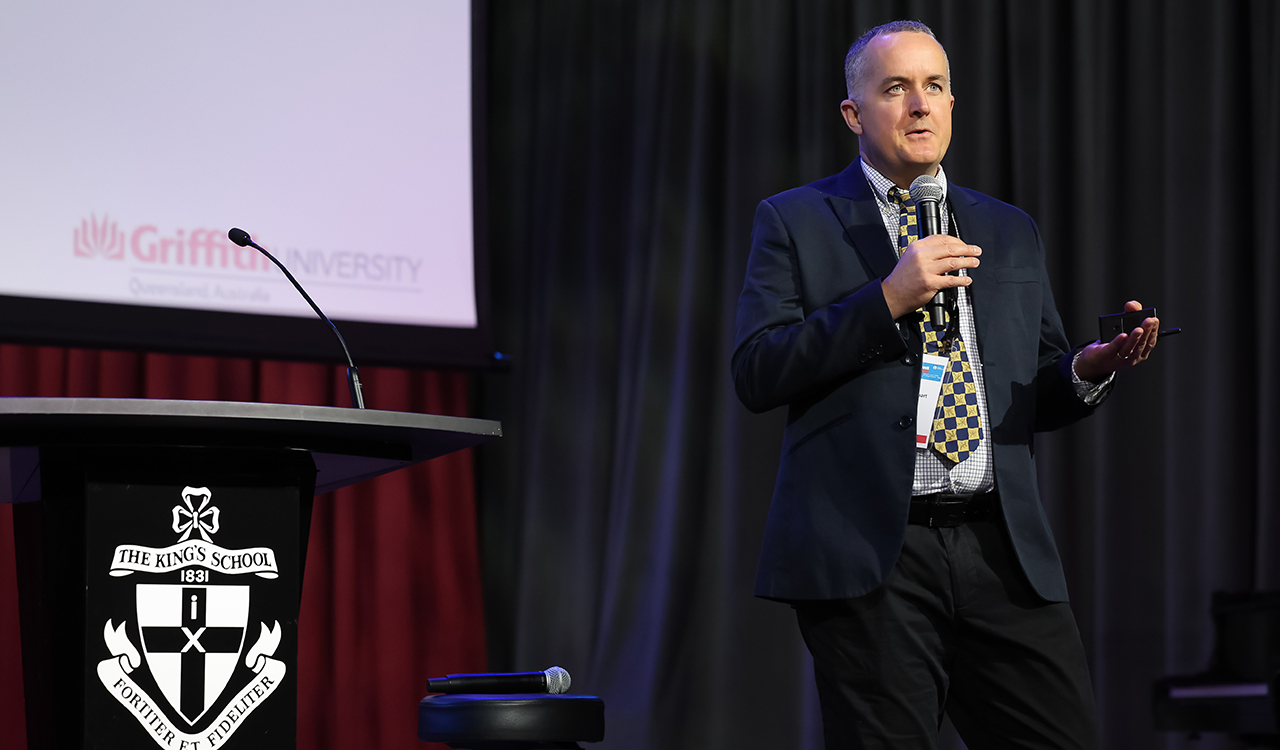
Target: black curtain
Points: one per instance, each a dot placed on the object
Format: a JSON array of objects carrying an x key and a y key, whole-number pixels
[{"x": 629, "y": 143}]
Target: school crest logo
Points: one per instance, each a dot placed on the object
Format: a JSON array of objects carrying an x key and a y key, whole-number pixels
[{"x": 207, "y": 666}]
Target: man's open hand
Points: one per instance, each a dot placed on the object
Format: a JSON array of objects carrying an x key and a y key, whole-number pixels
[
  {"x": 1124, "y": 352},
  {"x": 921, "y": 270}
]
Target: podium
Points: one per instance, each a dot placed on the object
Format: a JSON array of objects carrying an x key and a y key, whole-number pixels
[{"x": 160, "y": 550}]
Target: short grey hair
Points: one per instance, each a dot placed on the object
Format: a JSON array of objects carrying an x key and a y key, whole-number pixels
[{"x": 855, "y": 63}]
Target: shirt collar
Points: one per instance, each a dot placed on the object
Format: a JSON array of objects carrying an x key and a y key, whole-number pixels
[{"x": 880, "y": 184}]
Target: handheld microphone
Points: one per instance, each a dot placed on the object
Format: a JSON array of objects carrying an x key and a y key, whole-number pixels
[
  {"x": 242, "y": 238},
  {"x": 926, "y": 191},
  {"x": 554, "y": 681}
]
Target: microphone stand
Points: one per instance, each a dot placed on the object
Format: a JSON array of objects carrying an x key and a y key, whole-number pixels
[{"x": 242, "y": 238}]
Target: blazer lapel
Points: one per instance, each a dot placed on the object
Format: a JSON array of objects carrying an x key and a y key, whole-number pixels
[
  {"x": 971, "y": 228},
  {"x": 855, "y": 206}
]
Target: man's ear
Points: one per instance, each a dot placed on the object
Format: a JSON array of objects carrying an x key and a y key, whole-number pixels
[{"x": 852, "y": 116}]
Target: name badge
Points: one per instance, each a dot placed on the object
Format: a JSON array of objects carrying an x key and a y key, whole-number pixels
[{"x": 932, "y": 368}]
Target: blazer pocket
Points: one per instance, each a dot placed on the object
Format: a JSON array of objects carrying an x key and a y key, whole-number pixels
[
  {"x": 1015, "y": 275},
  {"x": 818, "y": 431}
]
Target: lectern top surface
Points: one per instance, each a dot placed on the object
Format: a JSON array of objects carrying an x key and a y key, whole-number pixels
[
  {"x": 178, "y": 408},
  {"x": 349, "y": 445}
]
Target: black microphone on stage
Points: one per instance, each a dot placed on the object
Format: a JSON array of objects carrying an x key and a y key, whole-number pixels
[
  {"x": 242, "y": 238},
  {"x": 926, "y": 191},
  {"x": 554, "y": 681}
]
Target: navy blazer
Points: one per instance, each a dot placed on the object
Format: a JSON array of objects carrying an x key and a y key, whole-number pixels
[{"x": 814, "y": 333}]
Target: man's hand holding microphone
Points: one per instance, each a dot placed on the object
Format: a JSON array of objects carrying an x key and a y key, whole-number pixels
[{"x": 921, "y": 272}]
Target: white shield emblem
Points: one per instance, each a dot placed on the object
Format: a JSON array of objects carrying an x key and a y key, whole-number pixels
[{"x": 192, "y": 637}]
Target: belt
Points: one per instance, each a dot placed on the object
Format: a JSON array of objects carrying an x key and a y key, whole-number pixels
[{"x": 943, "y": 510}]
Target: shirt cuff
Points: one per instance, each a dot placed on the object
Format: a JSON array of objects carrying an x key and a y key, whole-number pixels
[{"x": 1090, "y": 393}]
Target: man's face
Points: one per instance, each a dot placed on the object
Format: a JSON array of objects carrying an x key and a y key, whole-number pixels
[{"x": 904, "y": 120}]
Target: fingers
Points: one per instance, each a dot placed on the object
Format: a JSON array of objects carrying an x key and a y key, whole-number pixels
[
  {"x": 1135, "y": 346},
  {"x": 1132, "y": 345},
  {"x": 947, "y": 282},
  {"x": 955, "y": 263},
  {"x": 1121, "y": 351},
  {"x": 941, "y": 254},
  {"x": 943, "y": 246},
  {"x": 1141, "y": 340},
  {"x": 1150, "y": 331}
]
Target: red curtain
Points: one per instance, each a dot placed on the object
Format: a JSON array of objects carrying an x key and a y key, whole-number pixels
[{"x": 392, "y": 588}]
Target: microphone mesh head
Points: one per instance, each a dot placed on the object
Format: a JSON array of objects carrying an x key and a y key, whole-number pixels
[
  {"x": 557, "y": 681},
  {"x": 926, "y": 188},
  {"x": 239, "y": 236}
]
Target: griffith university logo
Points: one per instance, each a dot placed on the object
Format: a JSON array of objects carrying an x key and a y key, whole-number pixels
[
  {"x": 192, "y": 634},
  {"x": 147, "y": 244}
]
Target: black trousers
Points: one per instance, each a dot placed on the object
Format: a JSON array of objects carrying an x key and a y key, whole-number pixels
[{"x": 954, "y": 628}]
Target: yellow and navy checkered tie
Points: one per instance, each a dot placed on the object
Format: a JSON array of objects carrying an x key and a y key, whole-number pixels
[{"x": 957, "y": 428}]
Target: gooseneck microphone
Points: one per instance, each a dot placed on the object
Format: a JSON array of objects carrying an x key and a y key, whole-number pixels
[
  {"x": 242, "y": 238},
  {"x": 926, "y": 191},
  {"x": 554, "y": 681}
]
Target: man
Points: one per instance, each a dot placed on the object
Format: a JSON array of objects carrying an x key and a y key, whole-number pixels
[{"x": 917, "y": 556}]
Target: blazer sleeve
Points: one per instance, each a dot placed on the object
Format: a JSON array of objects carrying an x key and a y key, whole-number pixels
[{"x": 785, "y": 345}]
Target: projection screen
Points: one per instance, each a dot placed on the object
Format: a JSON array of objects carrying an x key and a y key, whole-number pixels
[{"x": 339, "y": 135}]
